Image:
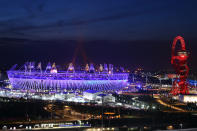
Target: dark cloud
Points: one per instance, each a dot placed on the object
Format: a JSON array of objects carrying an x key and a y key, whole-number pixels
[
  {"x": 130, "y": 32},
  {"x": 33, "y": 13}
]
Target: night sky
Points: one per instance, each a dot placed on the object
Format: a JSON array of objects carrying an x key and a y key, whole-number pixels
[{"x": 130, "y": 33}]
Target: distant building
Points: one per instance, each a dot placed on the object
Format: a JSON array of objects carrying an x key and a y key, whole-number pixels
[
  {"x": 93, "y": 95},
  {"x": 188, "y": 98}
]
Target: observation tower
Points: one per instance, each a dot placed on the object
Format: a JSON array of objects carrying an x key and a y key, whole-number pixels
[{"x": 179, "y": 60}]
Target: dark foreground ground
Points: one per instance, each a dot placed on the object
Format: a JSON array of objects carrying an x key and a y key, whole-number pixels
[{"x": 17, "y": 112}]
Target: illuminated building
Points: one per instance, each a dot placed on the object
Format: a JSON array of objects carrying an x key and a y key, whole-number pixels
[
  {"x": 188, "y": 98},
  {"x": 94, "y": 95},
  {"x": 53, "y": 79},
  {"x": 91, "y": 94}
]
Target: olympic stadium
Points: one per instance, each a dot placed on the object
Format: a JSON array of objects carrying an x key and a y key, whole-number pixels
[{"x": 32, "y": 78}]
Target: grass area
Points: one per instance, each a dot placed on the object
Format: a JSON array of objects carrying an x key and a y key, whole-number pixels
[{"x": 22, "y": 110}]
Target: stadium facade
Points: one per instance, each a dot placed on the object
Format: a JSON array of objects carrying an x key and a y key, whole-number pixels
[{"x": 51, "y": 79}]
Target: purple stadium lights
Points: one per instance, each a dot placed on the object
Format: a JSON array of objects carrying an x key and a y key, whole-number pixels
[{"x": 30, "y": 79}]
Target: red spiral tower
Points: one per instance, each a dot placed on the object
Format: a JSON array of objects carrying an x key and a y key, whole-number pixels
[{"x": 179, "y": 61}]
